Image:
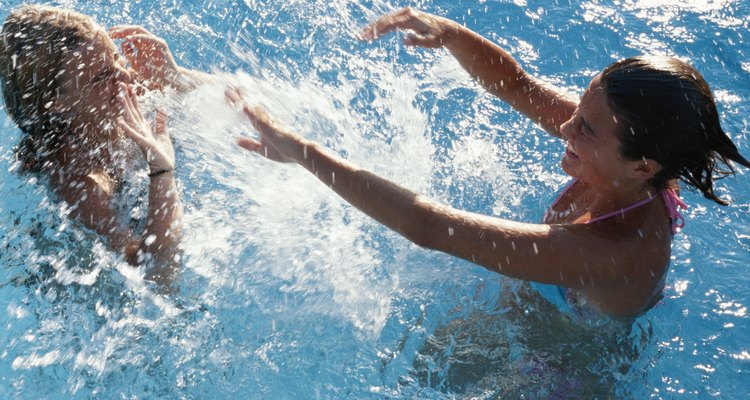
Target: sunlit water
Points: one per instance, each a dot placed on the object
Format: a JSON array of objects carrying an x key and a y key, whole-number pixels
[{"x": 287, "y": 292}]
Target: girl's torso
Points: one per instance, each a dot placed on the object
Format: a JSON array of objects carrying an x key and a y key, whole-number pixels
[{"x": 645, "y": 225}]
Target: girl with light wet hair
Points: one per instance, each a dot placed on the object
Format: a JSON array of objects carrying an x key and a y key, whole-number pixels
[
  {"x": 72, "y": 94},
  {"x": 35, "y": 41}
]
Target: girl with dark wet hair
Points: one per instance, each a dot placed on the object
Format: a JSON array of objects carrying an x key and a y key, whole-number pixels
[
  {"x": 70, "y": 91},
  {"x": 669, "y": 115},
  {"x": 604, "y": 245}
]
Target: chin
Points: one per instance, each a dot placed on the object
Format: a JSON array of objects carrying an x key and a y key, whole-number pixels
[{"x": 566, "y": 167}]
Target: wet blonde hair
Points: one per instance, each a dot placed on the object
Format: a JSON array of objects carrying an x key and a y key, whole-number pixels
[{"x": 33, "y": 44}]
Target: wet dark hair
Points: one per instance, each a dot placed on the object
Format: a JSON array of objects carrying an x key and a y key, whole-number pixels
[
  {"x": 667, "y": 113},
  {"x": 33, "y": 44}
]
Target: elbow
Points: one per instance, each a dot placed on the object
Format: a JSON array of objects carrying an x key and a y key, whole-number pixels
[
  {"x": 423, "y": 228},
  {"x": 421, "y": 238}
]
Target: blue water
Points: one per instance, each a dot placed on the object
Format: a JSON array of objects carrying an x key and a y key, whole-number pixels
[{"x": 287, "y": 292}]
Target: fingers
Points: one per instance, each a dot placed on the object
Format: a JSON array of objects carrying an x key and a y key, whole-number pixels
[
  {"x": 129, "y": 53},
  {"x": 131, "y": 109},
  {"x": 123, "y": 31},
  {"x": 258, "y": 117},
  {"x": 134, "y": 102},
  {"x": 131, "y": 133},
  {"x": 429, "y": 41},
  {"x": 250, "y": 144},
  {"x": 140, "y": 49},
  {"x": 140, "y": 41},
  {"x": 405, "y": 18},
  {"x": 260, "y": 120},
  {"x": 128, "y": 103},
  {"x": 157, "y": 148},
  {"x": 161, "y": 121},
  {"x": 274, "y": 142},
  {"x": 125, "y": 102},
  {"x": 233, "y": 95},
  {"x": 134, "y": 46}
]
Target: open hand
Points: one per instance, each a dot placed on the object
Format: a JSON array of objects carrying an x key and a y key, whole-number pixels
[
  {"x": 148, "y": 55},
  {"x": 275, "y": 143},
  {"x": 156, "y": 146},
  {"x": 427, "y": 30}
]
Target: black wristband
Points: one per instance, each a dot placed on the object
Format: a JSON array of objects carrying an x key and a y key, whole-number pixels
[{"x": 160, "y": 172}]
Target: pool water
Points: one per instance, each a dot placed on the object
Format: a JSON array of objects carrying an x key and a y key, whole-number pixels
[{"x": 287, "y": 292}]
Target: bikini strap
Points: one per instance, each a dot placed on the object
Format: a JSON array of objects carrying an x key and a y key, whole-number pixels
[
  {"x": 672, "y": 201},
  {"x": 623, "y": 210},
  {"x": 557, "y": 199}
]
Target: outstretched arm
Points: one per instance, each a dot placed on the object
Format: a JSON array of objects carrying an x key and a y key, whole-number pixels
[
  {"x": 150, "y": 58},
  {"x": 489, "y": 64},
  {"x": 554, "y": 254}
]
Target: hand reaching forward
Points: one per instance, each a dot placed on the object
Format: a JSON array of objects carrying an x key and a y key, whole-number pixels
[
  {"x": 427, "y": 30},
  {"x": 148, "y": 55},
  {"x": 156, "y": 146},
  {"x": 275, "y": 143}
]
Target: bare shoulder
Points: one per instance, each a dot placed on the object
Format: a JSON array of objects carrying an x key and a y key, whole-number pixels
[
  {"x": 85, "y": 188},
  {"x": 101, "y": 182},
  {"x": 90, "y": 197},
  {"x": 639, "y": 251}
]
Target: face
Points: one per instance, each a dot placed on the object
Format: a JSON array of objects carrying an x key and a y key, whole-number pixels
[
  {"x": 88, "y": 83},
  {"x": 592, "y": 153}
]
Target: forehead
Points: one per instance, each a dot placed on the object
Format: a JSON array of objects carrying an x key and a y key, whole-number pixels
[
  {"x": 83, "y": 63},
  {"x": 95, "y": 52},
  {"x": 595, "y": 100},
  {"x": 595, "y": 92}
]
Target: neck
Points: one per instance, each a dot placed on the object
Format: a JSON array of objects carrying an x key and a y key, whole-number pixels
[{"x": 608, "y": 198}]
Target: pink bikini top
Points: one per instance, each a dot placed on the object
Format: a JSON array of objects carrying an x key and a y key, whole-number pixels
[{"x": 670, "y": 197}]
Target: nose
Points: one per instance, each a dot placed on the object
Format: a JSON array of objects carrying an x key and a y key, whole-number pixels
[{"x": 566, "y": 129}]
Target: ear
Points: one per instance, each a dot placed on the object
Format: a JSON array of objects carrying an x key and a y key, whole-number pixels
[{"x": 646, "y": 168}]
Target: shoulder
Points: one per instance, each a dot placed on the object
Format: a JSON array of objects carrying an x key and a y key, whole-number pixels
[
  {"x": 625, "y": 275},
  {"x": 88, "y": 194}
]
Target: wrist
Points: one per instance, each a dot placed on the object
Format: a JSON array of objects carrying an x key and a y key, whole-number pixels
[
  {"x": 175, "y": 78},
  {"x": 184, "y": 79},
  {"x": 455, "y": 35}
]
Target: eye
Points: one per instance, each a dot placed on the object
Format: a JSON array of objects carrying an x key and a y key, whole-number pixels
[
  {"x": 585, "y": 127},
  {"x": 580, "y": 127},
  {"x": 102, "y": 76}
]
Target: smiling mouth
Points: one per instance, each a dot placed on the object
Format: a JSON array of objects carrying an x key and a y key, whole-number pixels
[{"x": 570, "y": 152}]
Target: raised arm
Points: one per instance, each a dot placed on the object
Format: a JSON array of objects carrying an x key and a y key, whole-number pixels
[
  {"x": 158, "y": 245},
  {"x": 152, "y": 61},
  {"x": 490, "y": 65},
  {"x": 160, "y": 240}
]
